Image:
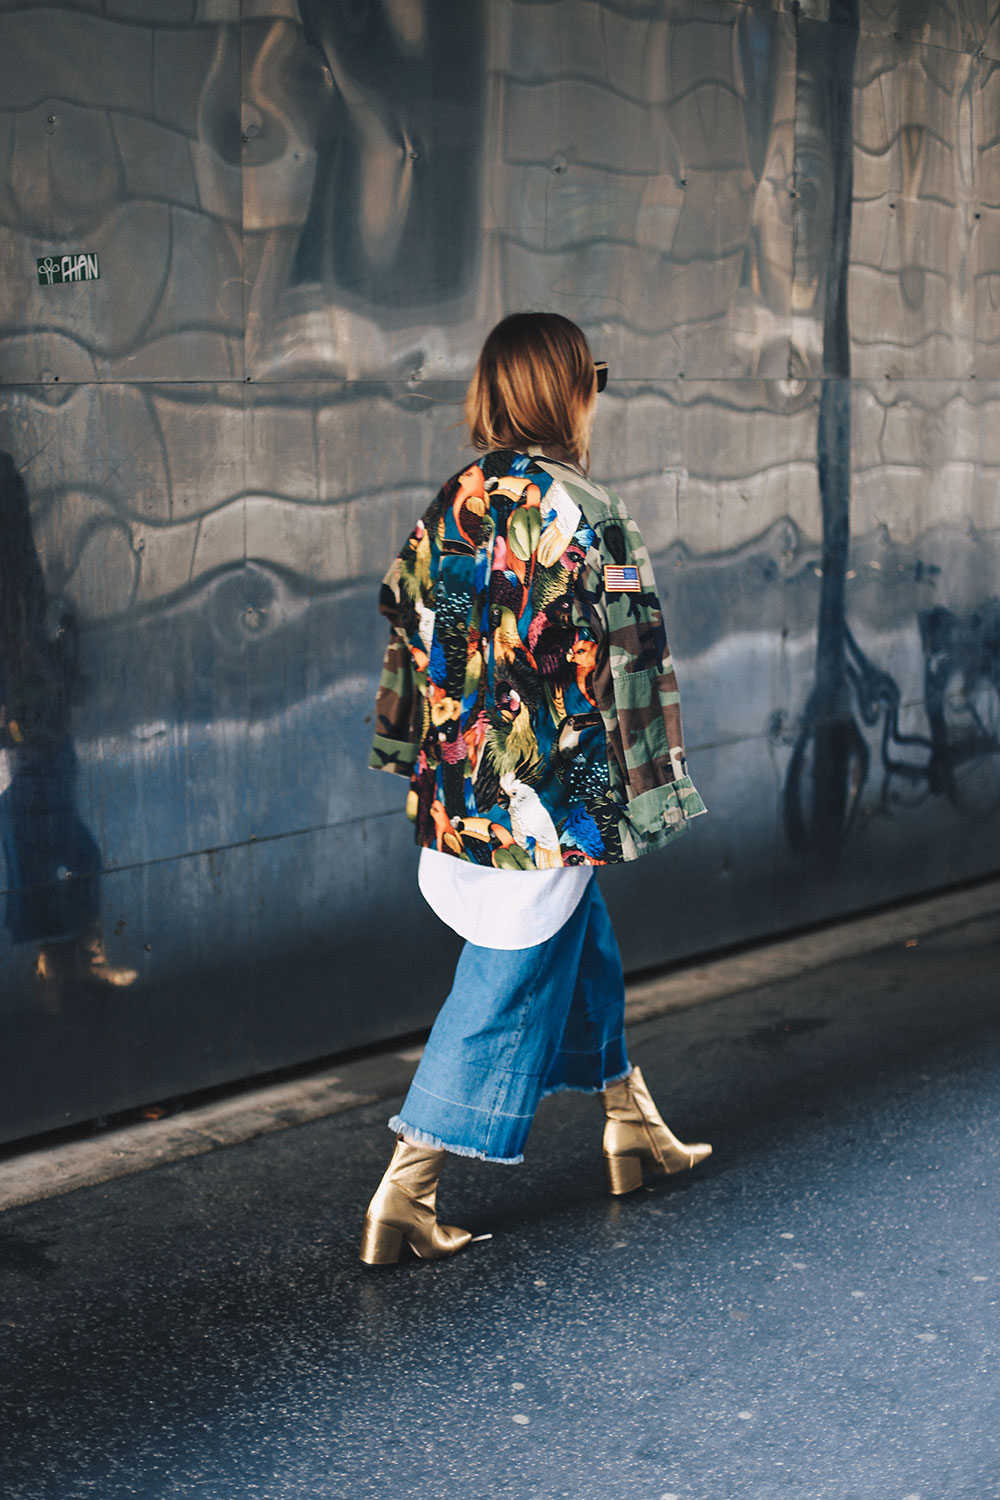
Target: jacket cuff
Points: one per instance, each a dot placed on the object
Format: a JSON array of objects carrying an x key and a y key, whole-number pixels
[
  {"x": 655, "y": 817},
  {"x": 398, "y": 756}
]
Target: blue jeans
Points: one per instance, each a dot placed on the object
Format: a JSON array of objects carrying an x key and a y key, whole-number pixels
[{"x": 517, "y": 1025}]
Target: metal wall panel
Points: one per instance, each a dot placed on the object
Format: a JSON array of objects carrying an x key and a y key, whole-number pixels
[
  {"x": 247, "y": 958},
  {"x": 121, "y": 136},
  {"x": 914, "y": 227},
  {"x": 138, "y": 501},
  {"x": 986, "y": 220},
  {"x": 779, "y": 223}
]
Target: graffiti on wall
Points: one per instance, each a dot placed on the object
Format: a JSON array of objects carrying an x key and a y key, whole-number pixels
[
  {"x": 777, "y": 227},
  {"x": 830, "y": 760}
]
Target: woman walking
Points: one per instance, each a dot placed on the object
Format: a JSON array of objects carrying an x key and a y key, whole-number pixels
[{"x": 528, "y": 696}]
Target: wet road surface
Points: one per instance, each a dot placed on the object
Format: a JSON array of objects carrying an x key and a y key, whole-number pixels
[{"x": 811, "y": 1315}]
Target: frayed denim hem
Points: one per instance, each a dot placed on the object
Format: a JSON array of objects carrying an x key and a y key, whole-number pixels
[
  {"x": 421, "y": 1138},
  {"x": 578, "y": 1088}
]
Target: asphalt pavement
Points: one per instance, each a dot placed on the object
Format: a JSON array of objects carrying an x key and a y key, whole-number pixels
[{"x": 811, "y": 1315}]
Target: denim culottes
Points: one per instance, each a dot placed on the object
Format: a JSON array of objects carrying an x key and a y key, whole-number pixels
[{"x": 519, "y": 1024}]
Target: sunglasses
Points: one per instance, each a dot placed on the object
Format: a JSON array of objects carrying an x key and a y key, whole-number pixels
[{"x": 601, "y": 367}]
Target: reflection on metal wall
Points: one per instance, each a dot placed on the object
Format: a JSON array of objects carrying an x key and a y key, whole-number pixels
[{"x": 781, "y": 229}]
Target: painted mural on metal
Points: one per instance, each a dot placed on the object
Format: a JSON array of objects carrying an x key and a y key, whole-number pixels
[{"x": 779, "y": 228}]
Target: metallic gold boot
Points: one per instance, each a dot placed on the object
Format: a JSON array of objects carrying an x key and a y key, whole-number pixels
[
  {"x": 635, "y": 1134},
  {"x": 96, "y": 968},
  {"x": 76, "y": 966},
  {"x": 405, "y": 1208}
]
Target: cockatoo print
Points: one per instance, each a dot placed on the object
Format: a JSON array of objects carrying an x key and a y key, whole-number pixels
[
  {"x": 425, "y": 624},
  {"x": 561, "y": 517},
  {"x": 529, "y": 820}
]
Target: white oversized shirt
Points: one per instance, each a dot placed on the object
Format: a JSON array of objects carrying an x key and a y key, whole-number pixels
[{"x": 500, "y": 908}]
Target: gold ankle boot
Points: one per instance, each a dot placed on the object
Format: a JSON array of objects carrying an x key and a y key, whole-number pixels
[
  {"x": 96, "y": 968},
  {"x": 405, "y": 1208},
  {"x": 77, "y": 966},
  {"x": 634, "y": 1133}
]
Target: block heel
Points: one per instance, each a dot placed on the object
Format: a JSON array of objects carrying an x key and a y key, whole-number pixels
[
  {"x": 624, "y": 1174},
  {"x": 381, "y": 1244}
]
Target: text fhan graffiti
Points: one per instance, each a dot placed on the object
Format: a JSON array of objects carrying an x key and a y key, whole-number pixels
[{"x": 76, "y": 267}]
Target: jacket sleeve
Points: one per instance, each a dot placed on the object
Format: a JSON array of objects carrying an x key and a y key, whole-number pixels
[
  {"x": 397, "y": 702},
  {"x": 637, "y": 693}
]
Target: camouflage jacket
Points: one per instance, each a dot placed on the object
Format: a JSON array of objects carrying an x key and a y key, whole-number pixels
[{"x": 527, "y": 690}]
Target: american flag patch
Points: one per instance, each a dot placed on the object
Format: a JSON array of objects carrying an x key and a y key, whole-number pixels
[{"x": 621, "y": 580}]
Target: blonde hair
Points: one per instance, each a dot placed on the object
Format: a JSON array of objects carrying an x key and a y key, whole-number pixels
[{"x": 534, "y": 384}]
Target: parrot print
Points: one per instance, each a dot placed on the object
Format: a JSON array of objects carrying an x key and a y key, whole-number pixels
[{"x": 534, "y": 712}]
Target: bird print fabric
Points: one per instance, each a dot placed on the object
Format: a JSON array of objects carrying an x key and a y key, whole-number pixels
[{"x": 535, "y": 712}]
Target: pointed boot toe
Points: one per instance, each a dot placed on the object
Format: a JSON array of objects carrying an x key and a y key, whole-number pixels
[{"x": 447, "y": 1241}]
